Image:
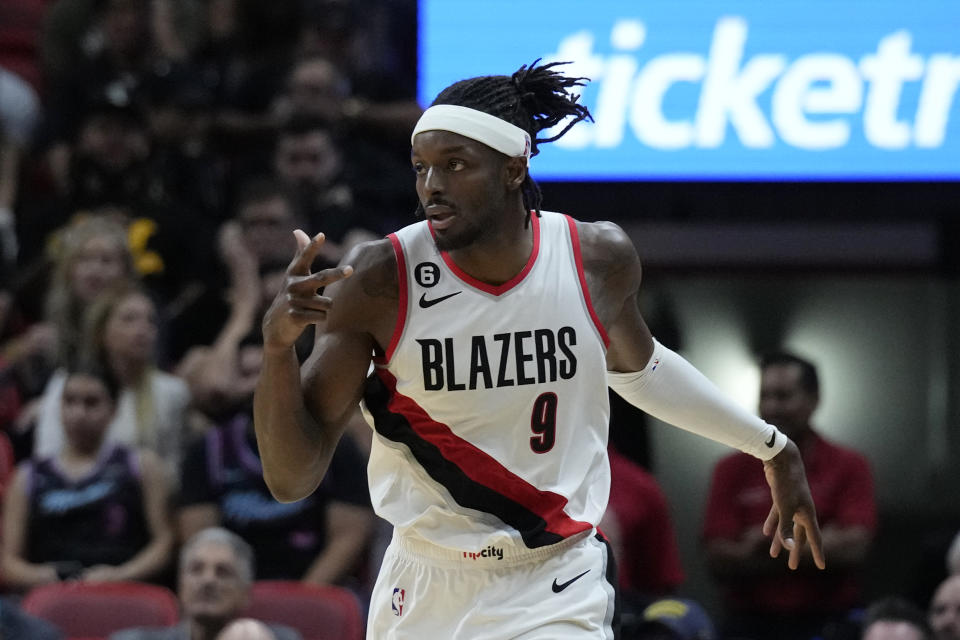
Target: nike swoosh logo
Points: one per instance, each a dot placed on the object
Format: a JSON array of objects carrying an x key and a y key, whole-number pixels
[
  {"x": 557, "y": 588},
  {"x": 425, "y": 304},
  {"x": 772, "y": 441}
]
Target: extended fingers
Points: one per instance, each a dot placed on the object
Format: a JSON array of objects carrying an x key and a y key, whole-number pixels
[
  {"x": 307, "y": 249},
  {"x": 811, "y": 533},
  {"x": 308, "y": 284},
  {"x": 770, "y": 524}
]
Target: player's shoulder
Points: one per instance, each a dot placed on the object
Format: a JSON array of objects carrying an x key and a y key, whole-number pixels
[
  {"x": 609, "y": 258},
  {"x": 372, "y": 291},
  {"x": 605, "y": 240},
  {"x": 370, "y": 255}
]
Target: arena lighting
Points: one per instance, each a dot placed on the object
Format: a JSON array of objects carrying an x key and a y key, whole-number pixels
[{"x": 728, "y": 90}]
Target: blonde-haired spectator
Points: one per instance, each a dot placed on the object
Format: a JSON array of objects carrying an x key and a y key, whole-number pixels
[
  {"x": 120, "y": 331},
  {"x": 92, "y": 255}
]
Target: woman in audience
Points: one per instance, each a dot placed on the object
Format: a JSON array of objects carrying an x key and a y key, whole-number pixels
[
  {"x": 94, "y": 256},
  {"x": 96, "y": 510},
  {"x": 120, "y": 332},
  {"x": 88, "y": 257}
]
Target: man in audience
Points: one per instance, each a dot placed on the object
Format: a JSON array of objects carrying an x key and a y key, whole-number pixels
[
  {"x": 216, "y": 573},
  {"x": 945, "y": 609},
  {"x": 309, "y": 160},
  {"x": 895, "y": 619},
  {"x": 762, "y": 599}
]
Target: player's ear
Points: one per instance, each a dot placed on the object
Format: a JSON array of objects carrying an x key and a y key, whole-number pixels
[{"x": 515, "y": 171}]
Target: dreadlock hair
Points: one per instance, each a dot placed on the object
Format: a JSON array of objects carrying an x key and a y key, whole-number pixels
[{"x": 534, "y": 98}]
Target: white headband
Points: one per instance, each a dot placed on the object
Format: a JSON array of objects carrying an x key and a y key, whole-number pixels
[{"x": 477, "y": 125}]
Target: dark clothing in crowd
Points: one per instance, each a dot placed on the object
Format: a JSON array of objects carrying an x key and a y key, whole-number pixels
[
  {"x": 224, "y": 468},
  {"x": 98, "y": 519}
]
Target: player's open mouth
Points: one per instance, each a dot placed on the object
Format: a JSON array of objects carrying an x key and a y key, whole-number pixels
[{"x": 440, "y": 216}]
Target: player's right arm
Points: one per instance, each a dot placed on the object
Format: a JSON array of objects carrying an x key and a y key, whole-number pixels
[{"x": 300, "y": 413}]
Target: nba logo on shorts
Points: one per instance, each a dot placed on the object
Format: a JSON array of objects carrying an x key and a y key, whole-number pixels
[{"x": 397, "y": 603}]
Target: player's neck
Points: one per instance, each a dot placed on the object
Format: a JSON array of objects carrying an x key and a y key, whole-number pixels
[{"x": 500, "y": 255}]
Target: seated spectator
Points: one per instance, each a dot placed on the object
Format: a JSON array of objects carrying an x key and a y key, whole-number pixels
[
  {"x": 945, "y": 609},
  {"x": 309, "y": 161},
  {"x": 92, "y": 255},
  {"x": 216, "y": 573},
  {"x": 366, "y": 132},
  {"x": 674, "y": 619},
  {"x": 112, "y": 60},
  {"x": 894, "y": 618},
  {"x": 320, "y": 539},
  {"x": 14, "y": 623},
  {"x": 229, "y": 306},
  {"x": 639, "y": 528},
  {"x": 121, "y": 333},
  {"x": 96, "y": 510},
  {"x": 381, "y": 91},
  {"x": 763, "y": 599},
  {"x": 87, "y": 257}
]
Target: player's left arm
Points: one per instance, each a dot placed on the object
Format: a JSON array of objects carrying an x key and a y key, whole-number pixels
[{"x": 660, "y": 382}]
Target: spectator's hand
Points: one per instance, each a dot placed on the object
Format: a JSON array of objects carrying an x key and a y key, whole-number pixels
[
  {"x": 298, "y": 304},
  {"x": 792, "y": 521},
  {"x": 101, "y": 573},
  {"x": 242, "y": 264},
  {"x": 234, "y": 252}
]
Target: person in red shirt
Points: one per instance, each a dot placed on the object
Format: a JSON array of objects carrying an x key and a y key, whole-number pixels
[
  {"x": 638, "y": 525},
  {"x": 762, "y": 600}
]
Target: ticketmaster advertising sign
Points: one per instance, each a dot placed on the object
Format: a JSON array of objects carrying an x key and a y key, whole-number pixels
[{"x": 725, "y": 89}]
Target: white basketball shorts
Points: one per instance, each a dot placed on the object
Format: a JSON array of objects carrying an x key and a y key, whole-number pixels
[{"x": 562, "y": 592}]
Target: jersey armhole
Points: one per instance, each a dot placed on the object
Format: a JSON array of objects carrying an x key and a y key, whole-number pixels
[
  {"x": 402, "y": 304},
  {"x": 584, "y": 291}
]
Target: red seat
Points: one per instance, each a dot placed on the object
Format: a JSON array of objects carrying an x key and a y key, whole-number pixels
[
  {"x": 317, "y": 612},
  {"x": 95, "y": 610}
]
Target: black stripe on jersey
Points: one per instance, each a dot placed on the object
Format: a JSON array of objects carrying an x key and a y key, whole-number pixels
[
  {"x": 614, "y": 581},
  {"x": 467, "y": 492}
]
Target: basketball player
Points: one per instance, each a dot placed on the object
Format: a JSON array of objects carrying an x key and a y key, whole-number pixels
[{"x": 495, "y": 329}]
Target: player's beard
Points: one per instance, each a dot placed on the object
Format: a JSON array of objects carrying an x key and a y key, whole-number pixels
[{"x": 460, "y": 238}]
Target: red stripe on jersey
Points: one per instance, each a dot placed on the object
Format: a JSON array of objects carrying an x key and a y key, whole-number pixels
[
  {"x": 480, "y": 467},
  {"x": 509, "y": 284},
  {"x": 578, "y": 258},
  {"x": 402, "y": 305}
]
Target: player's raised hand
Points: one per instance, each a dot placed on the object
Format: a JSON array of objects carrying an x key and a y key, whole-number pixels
[{"x": 298, "y": 302}]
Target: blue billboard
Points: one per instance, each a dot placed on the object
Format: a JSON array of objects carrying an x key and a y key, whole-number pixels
[{"x": 725, "y": 89}]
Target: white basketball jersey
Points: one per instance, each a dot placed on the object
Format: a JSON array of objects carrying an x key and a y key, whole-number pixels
[{"x": 490, "y": 404}]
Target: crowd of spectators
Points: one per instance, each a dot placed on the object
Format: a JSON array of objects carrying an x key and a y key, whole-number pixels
[{"x": 155, "y": 156}]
